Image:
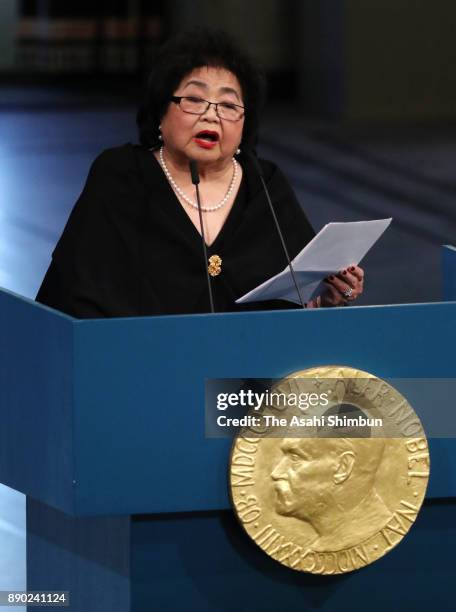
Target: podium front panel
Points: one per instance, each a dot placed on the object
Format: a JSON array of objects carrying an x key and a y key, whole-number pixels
[{"x": 139, "y": 392}]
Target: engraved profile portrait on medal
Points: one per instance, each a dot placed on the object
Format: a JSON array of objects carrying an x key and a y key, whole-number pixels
[
  {"x": 329, "y": 483},
  {"x": 332, "y": 498}
]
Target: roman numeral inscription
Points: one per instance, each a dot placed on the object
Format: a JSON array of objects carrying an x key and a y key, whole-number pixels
[
  {"x": 241, "y": 476},
  {"x": 334, "y": 562},
  {"x": 287, "y": 552},
  {"x": 243, "y": 462}
]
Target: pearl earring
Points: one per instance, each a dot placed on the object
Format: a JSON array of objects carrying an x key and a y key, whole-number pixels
[
  {"x": 160, "y": 137},
  {"x": 238, "y": 151}
]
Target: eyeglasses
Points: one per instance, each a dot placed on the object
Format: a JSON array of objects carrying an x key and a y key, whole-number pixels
[{"x": 198, "y": 106}]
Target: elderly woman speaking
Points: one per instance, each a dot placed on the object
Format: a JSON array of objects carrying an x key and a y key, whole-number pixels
[{"x": 132, "y": 245}]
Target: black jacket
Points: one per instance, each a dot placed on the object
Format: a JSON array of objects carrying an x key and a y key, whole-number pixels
[{"x": 130, "y": 249}]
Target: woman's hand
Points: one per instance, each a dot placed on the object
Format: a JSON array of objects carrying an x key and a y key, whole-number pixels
[{"x": 341, "y": 289}]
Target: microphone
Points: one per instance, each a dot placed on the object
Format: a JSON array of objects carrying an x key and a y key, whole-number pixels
[
  {"x": 258, "y": 168},
  {"x": 195, "y": 180}
]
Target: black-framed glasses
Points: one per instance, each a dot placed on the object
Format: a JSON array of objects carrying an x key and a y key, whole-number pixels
[{"x": 198, "y": 106}]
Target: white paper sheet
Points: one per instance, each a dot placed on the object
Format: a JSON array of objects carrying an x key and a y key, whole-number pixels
[{"x": 335, "y": 247}]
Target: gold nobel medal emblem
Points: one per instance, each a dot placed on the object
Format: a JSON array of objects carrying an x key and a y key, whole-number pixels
[{"x": 344, "y": 481}]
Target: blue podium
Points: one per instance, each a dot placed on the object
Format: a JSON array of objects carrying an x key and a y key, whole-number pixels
[{"x": 102, "y": 427}]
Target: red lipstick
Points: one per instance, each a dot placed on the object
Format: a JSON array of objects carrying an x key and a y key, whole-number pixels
[{"x": 207, "y": 139}]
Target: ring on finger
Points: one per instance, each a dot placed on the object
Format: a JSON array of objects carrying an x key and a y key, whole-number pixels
[{"x": 348, "y": 293}]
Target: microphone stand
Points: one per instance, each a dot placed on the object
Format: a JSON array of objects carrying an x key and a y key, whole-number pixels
[
  {"x": 195, "y": 180},
  {"x": 256, "y": 163}
]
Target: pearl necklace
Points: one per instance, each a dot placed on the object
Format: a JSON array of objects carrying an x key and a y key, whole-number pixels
[{"x": 185, "y": 197}]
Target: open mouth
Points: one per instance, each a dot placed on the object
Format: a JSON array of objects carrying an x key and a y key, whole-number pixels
[{"x": 207, "y": 136}]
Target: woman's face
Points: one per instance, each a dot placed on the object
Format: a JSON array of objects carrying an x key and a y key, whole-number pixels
[{"x": 180, "y": 130}]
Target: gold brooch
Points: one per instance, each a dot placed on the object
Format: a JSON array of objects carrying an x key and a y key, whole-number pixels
[{"x": 215, "y": 265}]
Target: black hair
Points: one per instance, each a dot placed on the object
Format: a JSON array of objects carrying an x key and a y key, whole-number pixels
[{"x": 178, "y": 57}]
